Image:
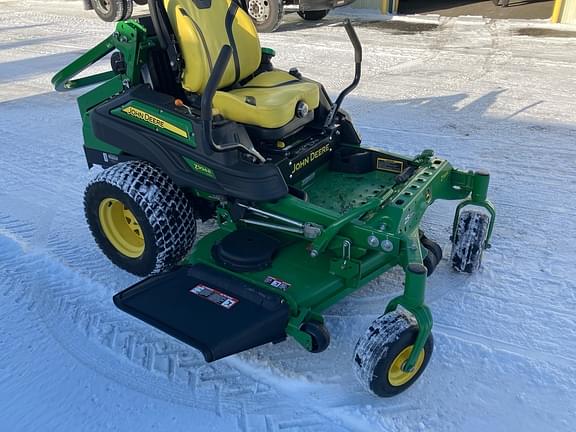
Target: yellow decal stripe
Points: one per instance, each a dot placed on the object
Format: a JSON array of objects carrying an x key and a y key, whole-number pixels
[{"x": 155, "y": 121}]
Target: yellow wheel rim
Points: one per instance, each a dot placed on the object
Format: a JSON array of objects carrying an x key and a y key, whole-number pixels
[
  {"x": 121, "y": 228},
  {"x": 396, "y": 375}
]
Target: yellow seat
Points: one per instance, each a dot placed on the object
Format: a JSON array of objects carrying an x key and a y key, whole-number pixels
[
  {"x": 269, "y": 100},
  {"x": 202, "y": 28}
]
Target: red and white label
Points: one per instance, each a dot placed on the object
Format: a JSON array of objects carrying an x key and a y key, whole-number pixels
[{"x": 214, "y": 296}]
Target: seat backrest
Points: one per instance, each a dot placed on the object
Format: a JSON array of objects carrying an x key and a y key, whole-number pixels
[{"x": 201, "y": 28}]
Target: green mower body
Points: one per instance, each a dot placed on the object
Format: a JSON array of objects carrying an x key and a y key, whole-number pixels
[{"x": 305, "y": 214}]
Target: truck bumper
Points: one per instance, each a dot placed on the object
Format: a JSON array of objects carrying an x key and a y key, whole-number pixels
[{"x": 312, "y": 5}]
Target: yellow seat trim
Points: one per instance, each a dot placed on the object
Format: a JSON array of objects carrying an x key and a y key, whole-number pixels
[
  {"x": 276, "y": 95},
  {"x": 201, "y": 34}
]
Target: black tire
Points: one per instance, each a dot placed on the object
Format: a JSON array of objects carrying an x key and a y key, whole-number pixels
[
  {"x": 468, "y": 242},
  {"x": 434, "y": 254},
  {"x": 162, "y": 212},
  {"x": 430, "y": 262},
  {"x": 266, "y": 14},
  {"x": 319, "y": 333},
  {"x": 128, "y": 9},
  {"x": 316, "y": 15},
  {"x": 109, "y": 10},
  {"x": 384, "y": 345}
]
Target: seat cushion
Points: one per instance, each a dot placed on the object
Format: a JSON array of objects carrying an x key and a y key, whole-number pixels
[{"x": 268, "y": 100}]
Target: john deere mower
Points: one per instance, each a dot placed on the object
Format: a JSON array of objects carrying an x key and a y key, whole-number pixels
[{"x": 192, "y": 121}]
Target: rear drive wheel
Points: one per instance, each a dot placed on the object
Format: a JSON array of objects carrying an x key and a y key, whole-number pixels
[
  {"x": 142, "y": 221},
  {"x": 381, "y": 353},
  {"x": 266, "y": 14},
  {"x": 468, "y": 242},
  {"x": 316, "y": 15},
  {"x": 109, "y": 10}
]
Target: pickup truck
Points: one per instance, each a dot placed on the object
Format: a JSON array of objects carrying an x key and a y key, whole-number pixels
[{"x": 266, "y": 14}]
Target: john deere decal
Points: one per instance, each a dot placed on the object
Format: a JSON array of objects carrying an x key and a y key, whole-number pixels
[{"x": 155, "y": 121}]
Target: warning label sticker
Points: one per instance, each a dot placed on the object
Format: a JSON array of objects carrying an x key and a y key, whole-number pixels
[
  {"x": 277, "y": 283},
  {"x": 390, "y": 165},
  {"x": 214, "y": 296}
]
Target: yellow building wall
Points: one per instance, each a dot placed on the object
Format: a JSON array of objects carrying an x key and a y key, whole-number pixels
[
  {"x": 385, "y": 6},
  {"x": 564, "y": 12}
]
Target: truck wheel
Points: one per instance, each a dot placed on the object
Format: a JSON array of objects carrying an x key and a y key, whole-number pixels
[
  {"x": 266, "y": 14},
  {"x": 381, "y": 353},
  {"x": 316, "y": 15},
  {"x": 110, "y": 10},
  {"x": 142, "y": 221},
  {"x": 128, "y": 9},
  {"x": 468, "y": 243}
]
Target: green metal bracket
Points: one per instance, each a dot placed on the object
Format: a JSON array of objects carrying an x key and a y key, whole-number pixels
[
  {"x": 479, "y": 185},
  {"x": 413, "y": 297},
  {"x": 224, "y": 219},
  {"x": 63, "y": 81},
  {"x": 320, "y": 244},
  {"x": 424, "y": 158},
  {"x": 126, "y": 39}
]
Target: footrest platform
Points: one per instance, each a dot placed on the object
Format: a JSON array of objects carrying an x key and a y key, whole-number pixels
[{"x": 212, "y": 311}]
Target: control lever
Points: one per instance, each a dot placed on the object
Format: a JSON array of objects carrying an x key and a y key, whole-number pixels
[{"x": 331, "y": 117}]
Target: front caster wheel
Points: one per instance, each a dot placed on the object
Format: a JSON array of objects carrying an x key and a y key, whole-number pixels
[
  {"x": 468, "y": 242},
  {"x": 381, "y": 353},
  {"x": 139, "y": 218},
  {"x": 319, "y": 334}
]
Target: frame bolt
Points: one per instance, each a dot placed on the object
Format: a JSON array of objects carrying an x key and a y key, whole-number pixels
[
  {"x": 387, "y": 245},
  {"x": 313, "y": 253},
  {"x": 373, "y": 241}
]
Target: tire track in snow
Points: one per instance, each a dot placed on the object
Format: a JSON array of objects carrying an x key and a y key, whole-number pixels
[
  {"x": 492, "y": 343},
  {"x": 66, "y": 300}
]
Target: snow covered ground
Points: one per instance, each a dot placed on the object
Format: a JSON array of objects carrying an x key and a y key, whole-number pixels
[{"x": 472, "y": 89}]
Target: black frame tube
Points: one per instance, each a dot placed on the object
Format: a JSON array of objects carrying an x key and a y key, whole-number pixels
[{"x": 357, "y": 73}]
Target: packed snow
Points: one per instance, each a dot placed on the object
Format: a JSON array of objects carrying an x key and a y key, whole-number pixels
[{"x": 480, "y": 92}]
